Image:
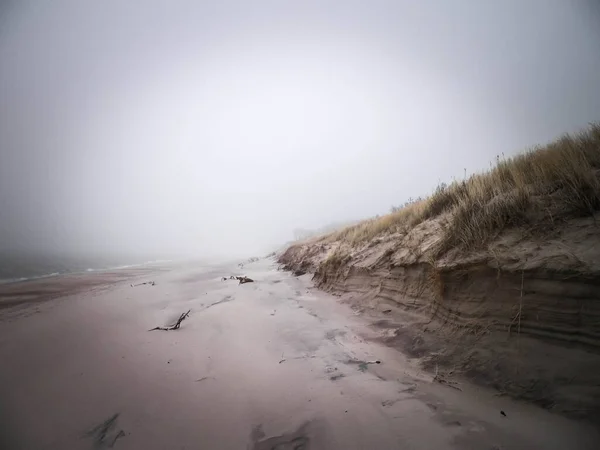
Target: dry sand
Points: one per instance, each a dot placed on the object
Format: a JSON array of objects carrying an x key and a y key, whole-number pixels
[{"x": 273, "y": 364}]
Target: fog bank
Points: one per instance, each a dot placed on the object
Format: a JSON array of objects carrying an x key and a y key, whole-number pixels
[{"x": 217, "y": 128}]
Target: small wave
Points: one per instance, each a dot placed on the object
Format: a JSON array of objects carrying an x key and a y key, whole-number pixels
[
  {"x": 128, "y": 266},
  {"x": 18, "y": 280},
  {"x": 80, "y": 270}
]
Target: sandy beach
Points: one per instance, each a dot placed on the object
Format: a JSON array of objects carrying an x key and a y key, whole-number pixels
[{"x": 273, "y": 364}]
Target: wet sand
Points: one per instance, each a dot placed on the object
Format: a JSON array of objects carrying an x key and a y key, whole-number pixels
[
  {"x": 43, "y": 289},
  {"x": 264, "y": 365}
]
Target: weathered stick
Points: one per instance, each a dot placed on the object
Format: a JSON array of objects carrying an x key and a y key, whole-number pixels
[
  {"x": 176, "y": 326},
  {"x": 242, "y": 279},
  {"x": 151, "y": 283},
  {"x": 245, "y": 280}
]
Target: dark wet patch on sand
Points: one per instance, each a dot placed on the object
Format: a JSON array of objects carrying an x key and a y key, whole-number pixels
[
  {"x": 332, "y": 334},
  {"x": 386, "y": 324},
  {"x": 390, "y": 402}
]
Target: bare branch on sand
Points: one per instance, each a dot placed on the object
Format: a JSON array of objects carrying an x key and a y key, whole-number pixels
[
  {"x": 177, "y": 324},
  {"x": 242, "y": 279}
]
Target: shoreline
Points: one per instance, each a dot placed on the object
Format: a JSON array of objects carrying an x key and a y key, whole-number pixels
[
  {"x": 41, "y": 289},
  {"x": 4, "y": 281}
]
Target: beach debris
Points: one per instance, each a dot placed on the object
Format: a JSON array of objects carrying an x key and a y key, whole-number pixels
[
  {"x": 282, "y": 359},
  {"x": 205, "y": 378},
  {"x": 274, "y": 312},
  {"x": 242, "y": 279},
  {"x": 387, "y": 311},
  {"x": 503, "y": 413},
  {"x": 106, "y": 434},
  {"x": 151, "y": 283},
  {"x": 362, "y": 365},
  {"x": 177, "y": 324}
]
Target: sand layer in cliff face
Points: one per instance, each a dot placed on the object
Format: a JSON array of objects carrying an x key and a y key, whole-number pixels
[{"x": 496, "y": 278}]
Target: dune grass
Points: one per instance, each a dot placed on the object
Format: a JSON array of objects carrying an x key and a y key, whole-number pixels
[{"x": 562, "y": 176}]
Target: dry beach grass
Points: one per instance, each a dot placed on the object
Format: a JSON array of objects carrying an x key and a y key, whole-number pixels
[{"x": 559, "y": 179}]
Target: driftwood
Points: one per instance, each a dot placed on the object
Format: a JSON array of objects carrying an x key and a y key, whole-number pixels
[
  {"x": 245, "y": 280},
  {"x": 176, "y": 326},
  {"x": 242, "y": 279},
  {"x": 151, "y": 283}
]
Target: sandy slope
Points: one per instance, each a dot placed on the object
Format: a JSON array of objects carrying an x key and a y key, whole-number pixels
[
  {"x": 271, "y": 364},
  {"x": 520, "y": 315}
]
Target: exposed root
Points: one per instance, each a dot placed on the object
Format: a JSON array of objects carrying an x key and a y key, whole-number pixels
[{"x": 517, "y": 317}]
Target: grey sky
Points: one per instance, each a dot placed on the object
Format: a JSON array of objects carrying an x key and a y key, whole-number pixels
[{"x": 219, "y": 127}]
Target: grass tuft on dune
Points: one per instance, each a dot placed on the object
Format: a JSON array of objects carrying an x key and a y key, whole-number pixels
[{"x": 560, "y": 179}]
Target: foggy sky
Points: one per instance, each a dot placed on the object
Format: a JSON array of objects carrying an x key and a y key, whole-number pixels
[{"x": 216, "y": 128}]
